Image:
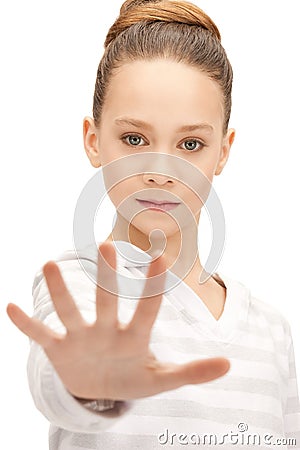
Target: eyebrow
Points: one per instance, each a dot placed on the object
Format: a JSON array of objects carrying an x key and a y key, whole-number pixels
[{"x": 141, "y": 124}]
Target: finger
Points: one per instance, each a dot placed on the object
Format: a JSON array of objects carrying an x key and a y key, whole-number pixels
[
  {"x": 107, "y": 287},
  {"x": 32, "y": 327},
  {"x": 201, "y": 371},
  {"x": 149, "y": 304},
  {"x": 64, "y": 304}
]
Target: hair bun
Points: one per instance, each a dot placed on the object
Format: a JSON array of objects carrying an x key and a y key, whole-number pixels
[
  {"x": 132, "y": 3},
  {"x": 134, "y": 11}
]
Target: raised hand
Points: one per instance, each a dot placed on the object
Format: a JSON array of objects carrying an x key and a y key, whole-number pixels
[{"x": 107, "y": 359}]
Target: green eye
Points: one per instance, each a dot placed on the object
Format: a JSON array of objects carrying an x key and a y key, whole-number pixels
[
  {"x": 190, "y": 145},
  {"x": 133, "y": 139}
]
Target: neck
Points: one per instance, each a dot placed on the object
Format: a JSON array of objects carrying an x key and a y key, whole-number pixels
[{"x": 180, "y": 250}]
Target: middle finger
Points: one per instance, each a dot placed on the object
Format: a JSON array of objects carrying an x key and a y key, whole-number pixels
[{"x": 149, "y": 304}]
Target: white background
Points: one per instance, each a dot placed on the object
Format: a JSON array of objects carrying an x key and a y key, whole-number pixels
[{"x": 49, "y": 58}]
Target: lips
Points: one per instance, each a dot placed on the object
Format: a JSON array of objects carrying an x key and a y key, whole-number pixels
[{"x": 162, "y": 205}]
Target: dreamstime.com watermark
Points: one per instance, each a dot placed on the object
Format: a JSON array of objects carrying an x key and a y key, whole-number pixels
[{"x": 238, "y": 437}]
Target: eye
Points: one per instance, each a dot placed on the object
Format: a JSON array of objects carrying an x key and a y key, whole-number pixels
[
  {"x": 191, "y": 145},
  {"x": 133, "y": 139}
]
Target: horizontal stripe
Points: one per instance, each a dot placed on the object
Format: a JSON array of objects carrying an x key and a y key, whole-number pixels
[
  {"x": 88, "y": 441},
  {"x": 194, "y": 346},
  {"x": 292, "y": 405},
  {"x": 114, "y": 441},
  {"x": 296, "y": 436},
  {"x": 175, "y": 408},
  {"x": 246, "y": 385},
  {"x": 236, "y": 399},
  {"x": 57, "y": 438}
]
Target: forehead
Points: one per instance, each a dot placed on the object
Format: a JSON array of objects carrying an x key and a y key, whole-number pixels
[{"x": 163, "y": 87}]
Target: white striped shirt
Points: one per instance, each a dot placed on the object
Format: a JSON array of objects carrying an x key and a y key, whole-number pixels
[{"x": 255, "y": 404}]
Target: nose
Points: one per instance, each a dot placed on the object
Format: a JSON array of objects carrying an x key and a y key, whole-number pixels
[
  {"x": 155, "y": 178},
  {"x": 160, "y": 168}
]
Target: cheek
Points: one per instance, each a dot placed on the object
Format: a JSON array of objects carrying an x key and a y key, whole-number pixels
[
  {"x": 118, "y": 193},
  {"x": 123, "y": 190},
  {"x": 198, "y": 189}
]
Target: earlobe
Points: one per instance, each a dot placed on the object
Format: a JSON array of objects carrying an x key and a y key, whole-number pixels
[
  {"x": 90, "y": 141},
  {"x": 224, "y": 155}
]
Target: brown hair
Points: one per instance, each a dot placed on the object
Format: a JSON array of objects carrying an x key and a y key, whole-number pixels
[{"x": 176, "y": 30}]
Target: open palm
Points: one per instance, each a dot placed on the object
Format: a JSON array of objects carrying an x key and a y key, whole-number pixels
[{"x": 107, "y": 359}]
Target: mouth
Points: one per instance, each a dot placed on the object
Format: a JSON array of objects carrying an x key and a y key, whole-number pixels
[{"x": 158, "y": 205}]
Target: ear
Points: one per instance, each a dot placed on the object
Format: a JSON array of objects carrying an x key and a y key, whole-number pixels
[
  {"x": 91, "y": 141},
  {"x": 224, "y": 155}
]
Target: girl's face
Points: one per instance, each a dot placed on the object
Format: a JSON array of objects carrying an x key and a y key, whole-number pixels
[{"x": 159, "y": 106}]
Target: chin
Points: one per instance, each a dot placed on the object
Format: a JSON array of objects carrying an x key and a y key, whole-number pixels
[{"x": 157, "y": 228}]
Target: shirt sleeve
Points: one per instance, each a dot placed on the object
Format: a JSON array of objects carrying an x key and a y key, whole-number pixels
[
  {"x": 49, "y": 394},
  {"x": 292, "y": 408}
]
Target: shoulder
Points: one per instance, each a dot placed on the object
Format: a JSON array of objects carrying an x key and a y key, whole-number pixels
[
  {"x": 268, "y": 319},
  {"x": 270, "y": 316},
  {"x": 81, "y": 265},
  {"x": 258, "y": 315}
]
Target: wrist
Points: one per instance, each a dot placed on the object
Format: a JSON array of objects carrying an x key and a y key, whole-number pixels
[{"x": 96, "y": 404}]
